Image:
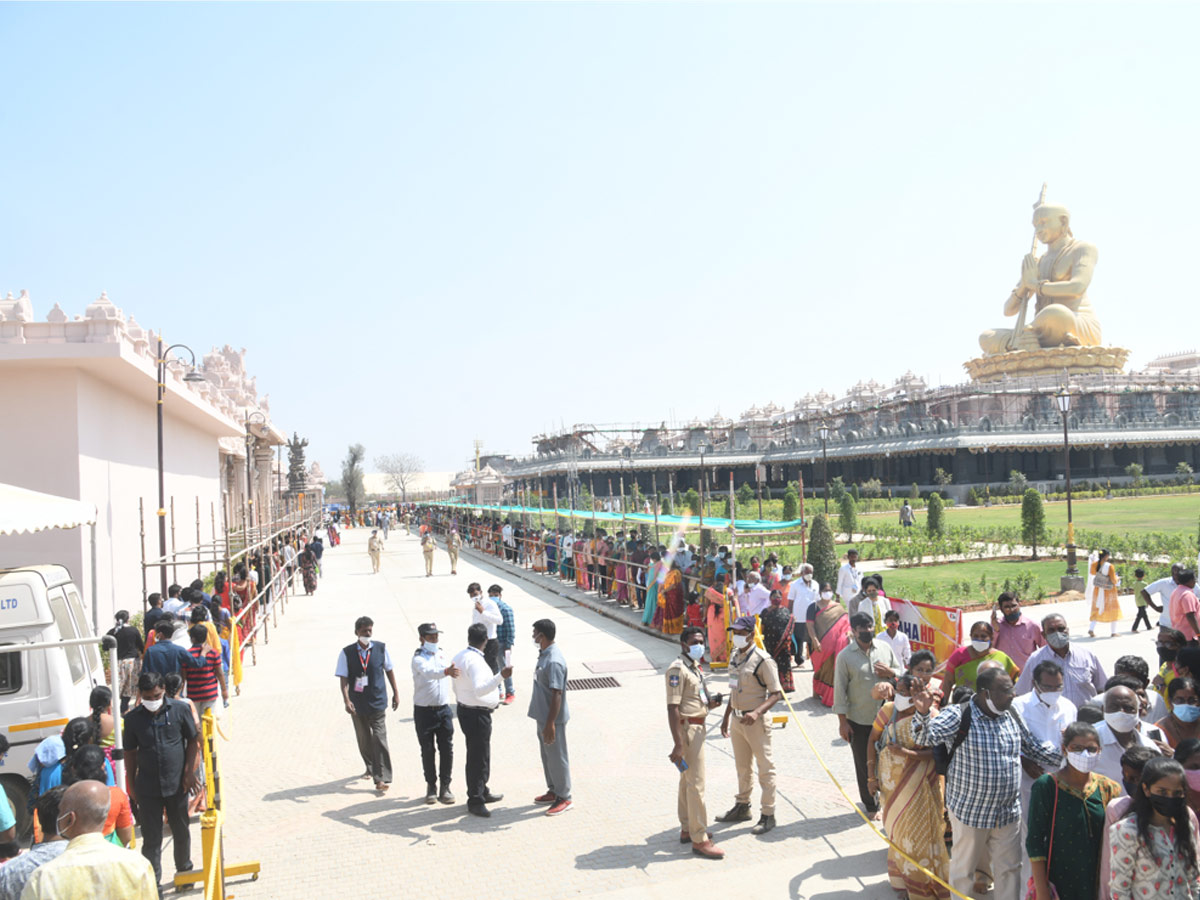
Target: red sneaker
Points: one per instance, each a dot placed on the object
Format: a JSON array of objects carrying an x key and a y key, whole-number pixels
[
  {"x": 560, "y": 807},
  {"x": 509, "y": 698},
  {"x": 547, "y": 797}
]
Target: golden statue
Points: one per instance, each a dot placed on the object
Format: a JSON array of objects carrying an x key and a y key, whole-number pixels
[{"x": 1063, "y": 316}]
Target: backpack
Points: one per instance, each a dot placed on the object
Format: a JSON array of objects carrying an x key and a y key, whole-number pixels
[{"x": 941, "y": 754}]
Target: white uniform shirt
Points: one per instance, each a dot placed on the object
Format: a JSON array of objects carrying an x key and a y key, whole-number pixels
[
  {"x": 431, "y": 685},
  {"x": 491, "y": 616},
  {"x": 567, "y": 543},
  {"x": 900, "y": 645},
  {"x": 755, "y": 600},
  {"x": 801, "y": 596},
  {"x": 849, "y": 582},
  {"x": 475, "y": 684}
]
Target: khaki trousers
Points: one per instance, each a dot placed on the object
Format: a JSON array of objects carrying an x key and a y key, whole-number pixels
[
  {"x": 973, "y": 847},
  {"x": 453, "y": 559},
  {"x": 752, "y": 743},
  {"x": 429, "y": 562},
  {"x": 693, "y": 817},
  {"x": 375, "y": 557}
]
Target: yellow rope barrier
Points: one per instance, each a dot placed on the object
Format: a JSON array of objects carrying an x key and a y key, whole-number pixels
[{"x": 837, "y": 784}]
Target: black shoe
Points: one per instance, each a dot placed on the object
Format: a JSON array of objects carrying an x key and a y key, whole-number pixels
[
  {"x": 431, "y": 794},
  {"x": 445, "y": 796},
  {"x": 489, "y": 797},
  {"x": 739, "y": 813},
  {"x": 765, "y": 824},
  {"x": 480, "y": 810}
]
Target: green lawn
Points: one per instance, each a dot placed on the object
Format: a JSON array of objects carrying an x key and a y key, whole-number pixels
[{"x": 1174, "y": 512}]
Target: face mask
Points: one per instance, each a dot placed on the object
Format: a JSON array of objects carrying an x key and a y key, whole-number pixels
[
  {"x": 1050, "y": 698},
  {"x": 826, "y": 595},
  {"x": 903, "y": 703},
  {"x": 1185, "y": 712},
  {"x": 1121, "y": 721},
  {"x": 153, "y": 705},
  {"x": 364, "y": 641},
  {"x": 864, "y": 636},
  {"x": 981, "y": 646},
  {"x": 428, "y": 647},
  {"x": 1167, "y": 654},
  {"x": 1012, "y": 617},
  {"x": 741, "y": 641},
  {"x": 696, "y": 652},
  {"x": 807, "y": 579},
  {"x": 1193, "y": 778},
  {"x": 1171, "y": 807},
  {"x": 1058, "y": 639},
  {"x": 992, "y": 707},
  {"x": 1083, "y": 760},
  {"x": 58, "y": 822}
]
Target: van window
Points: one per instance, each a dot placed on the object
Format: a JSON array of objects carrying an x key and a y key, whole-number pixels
[
  {"x": 10, "y": 673},
  {"x": 90, "y": 651},
  {"x": 66, "y": 630}
]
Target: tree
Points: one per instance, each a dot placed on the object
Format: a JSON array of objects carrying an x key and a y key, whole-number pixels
[
  {"x": 352, "y": 476},
  {"x": 1033, "y": 519},
  {"x": 935, "y": 518},
  {"x": 872, "y": 487},
  {"x": 942, "y": 477},
  {"x": 401, "y": 470},
  {"x": 692, "y": 501},
  {"x": 848, "y": 516},
  {"x": 1017, "y": 482},
  {"x": 745, "y": 494},
  {"x": 791, "y": 505},
  {"x": 1134, "y": 471},
  {"x": 915, "y": 492},
  {"x": 1183, "y": 473},
  {"x": 837, "y": 488},
  {"x": 821, "y": 553}
]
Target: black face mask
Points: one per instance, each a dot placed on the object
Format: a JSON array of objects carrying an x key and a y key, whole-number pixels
[
  {"x": 1171, "y": 807},
  {"x": 865, "y": 637},
  {"x": 1167, "y": 654}
]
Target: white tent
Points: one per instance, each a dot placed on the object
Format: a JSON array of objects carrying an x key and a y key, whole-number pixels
[{"x": 23, "y": 511}]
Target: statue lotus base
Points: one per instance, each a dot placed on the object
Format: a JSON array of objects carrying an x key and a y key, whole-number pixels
[{"x": 1047, "y": 361}]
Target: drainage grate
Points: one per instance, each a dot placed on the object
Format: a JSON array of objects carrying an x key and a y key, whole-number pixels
[{"x": 588, "y": 684}]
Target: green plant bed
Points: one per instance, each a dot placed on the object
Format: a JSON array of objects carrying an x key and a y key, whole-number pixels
[{"x": 1175, "y": 512}]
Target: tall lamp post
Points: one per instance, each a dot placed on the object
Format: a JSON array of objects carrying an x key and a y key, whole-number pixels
[
  {"x": 1064, "y": 407},
  {"x": 823, "y": 431},
  {"x": 190, "y": 376}
]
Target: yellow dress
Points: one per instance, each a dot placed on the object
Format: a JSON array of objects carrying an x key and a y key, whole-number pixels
[{"x": 1105, "y": 580}]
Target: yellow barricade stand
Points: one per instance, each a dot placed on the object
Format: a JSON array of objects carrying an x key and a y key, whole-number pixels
[{"x": 214, "y": 871}]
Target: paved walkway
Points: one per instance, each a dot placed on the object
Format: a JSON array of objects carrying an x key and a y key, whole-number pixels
[{"x": 294, "y": 800}]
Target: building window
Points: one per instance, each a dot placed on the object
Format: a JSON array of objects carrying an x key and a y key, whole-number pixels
[{"x": 10, "y": 673}]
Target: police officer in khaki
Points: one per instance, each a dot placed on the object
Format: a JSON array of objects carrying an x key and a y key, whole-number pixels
[
  {"x": 453, "y": 542},
  {"x": 428, "y": 545},
  {"x": 753, "y": 689},
  {"x": 375, "y": 550},
  {"x": 688, "y": 703}
]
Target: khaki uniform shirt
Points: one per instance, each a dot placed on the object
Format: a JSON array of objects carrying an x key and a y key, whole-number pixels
[
  {"x": 753, "y": 676},
  {"x": 686, "y": 687}
]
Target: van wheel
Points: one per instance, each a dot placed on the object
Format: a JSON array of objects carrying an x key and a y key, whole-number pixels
[{"x": 17, "y": 789}]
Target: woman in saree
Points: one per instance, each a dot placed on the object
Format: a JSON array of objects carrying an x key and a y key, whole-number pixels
[
  {"x": 777, "y": 626},
  {"x": 620, "y": 576},
  {"x": 905, "y": 774},
  {"x": 717, "y": 618},
  {"x": 538, "y": 548},
  {"x": 551, "y": 547},
  {"x": 583, "y": 559},
  {"x": 828, "y": 635},
  {"x": 1102, "y": 591},
  {"x": 651, "y": 614},
  {"x": 672, "y": 600},
  {"x": 308, "y": 570}
]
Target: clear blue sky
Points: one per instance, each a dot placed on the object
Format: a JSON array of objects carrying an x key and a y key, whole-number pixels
[{"x": 429, "y": 223}]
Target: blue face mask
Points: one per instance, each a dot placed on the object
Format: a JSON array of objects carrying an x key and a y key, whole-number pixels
[
  {"x": 1185, "y": 712},
  {"x": 428, "y": 647},
  {"x": 696, "y": 652}
]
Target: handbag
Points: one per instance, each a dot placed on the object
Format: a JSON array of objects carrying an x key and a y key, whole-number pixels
[{"x": 1030, "y": 888}]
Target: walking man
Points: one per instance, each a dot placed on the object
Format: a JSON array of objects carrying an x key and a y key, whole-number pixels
[
  {"x": 365, "y": 670},
  {"x": 688, "y": 703},
  {"x": 849, "y": 580},
  {"x": 375, "y": 550},
  {"x": 427, "y": 547},
  {"x": 432, "y": 716},
  {"x": 453, "y": 542},
  {"x": 548, "y": 707},
  {"x": 475, "y": 690},
  {"x": 162, "y": 747},
  {"x": 506, "y": 637},
  {"x": 753, "y": 689}
]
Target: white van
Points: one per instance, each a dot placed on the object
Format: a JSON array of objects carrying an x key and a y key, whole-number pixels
[{"x": 40, "y": 690}]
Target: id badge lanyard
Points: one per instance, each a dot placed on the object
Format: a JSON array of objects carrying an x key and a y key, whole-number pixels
[{"x": 364, "y": 659}]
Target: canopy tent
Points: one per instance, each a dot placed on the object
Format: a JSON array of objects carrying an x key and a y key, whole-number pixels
[
  {"x": 668, "y": 521},
  {"x": 23, "y": 511}
]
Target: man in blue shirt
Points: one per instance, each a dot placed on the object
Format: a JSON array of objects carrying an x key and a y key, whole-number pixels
[
  {"x": 548, "y": 707},
  {"x": 165, "y": 656},
  {"x": 506, "y": 638}
]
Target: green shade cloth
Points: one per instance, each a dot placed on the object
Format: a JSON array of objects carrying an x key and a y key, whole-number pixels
[{"x": 692, "y": 521}]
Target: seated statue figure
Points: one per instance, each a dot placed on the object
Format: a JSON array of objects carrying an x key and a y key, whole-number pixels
[{"x": 1063, "y": 316}]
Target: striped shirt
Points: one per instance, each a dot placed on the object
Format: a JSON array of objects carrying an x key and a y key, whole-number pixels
[
  {"x": 202, "y": 680},
  {"x": 506, "y": 631}
]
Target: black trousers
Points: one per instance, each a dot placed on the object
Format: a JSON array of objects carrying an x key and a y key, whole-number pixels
[
  {"x": 491, "y": 654},
  {"x": 150, "y": 811},
  {"x": 860, "y": 739},
  {"x": 1142, "y": 616},
  {"x": 435, "y": 725},
  {"x": 476, "y": 724}
]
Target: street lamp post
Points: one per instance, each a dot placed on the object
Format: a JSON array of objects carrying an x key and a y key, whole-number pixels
[
  {"x": 1064, "y": 407},
  {"x": 190, "y": 375},
  {"x": 823, "y": 431}
]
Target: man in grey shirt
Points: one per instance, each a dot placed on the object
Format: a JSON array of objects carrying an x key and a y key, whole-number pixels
[{"x": 548, "y": 707}]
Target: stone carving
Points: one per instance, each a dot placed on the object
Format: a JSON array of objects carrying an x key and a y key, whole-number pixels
[
  {"x": 297, "y": 474},
  {"x": 1059, "y": 279},
  {"x": 1071, "y": 360}
]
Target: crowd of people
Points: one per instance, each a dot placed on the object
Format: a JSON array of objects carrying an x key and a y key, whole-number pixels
[
  {"x": 1014, "y": 764},
  {"x": 171, "y": 670}
]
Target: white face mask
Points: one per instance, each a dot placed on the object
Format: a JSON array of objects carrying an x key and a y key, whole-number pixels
[
  {"x": 429, "y": 647},
  {"x": 1050, "y": 698},
  {"x": 1083, "y": 760},
  {"x": 826, "y": 595},
  {"x": 981, "y": 646},
  {"x": 364, "y": 641},
  {"x": 807, "y": 577},
  {"x": 903, "y": 703},
  {"x": 1121, "y": 721},
  {"x": 741, "y": 641},
  {"x": 153, "y": 705}
]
